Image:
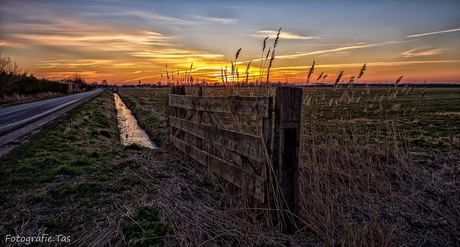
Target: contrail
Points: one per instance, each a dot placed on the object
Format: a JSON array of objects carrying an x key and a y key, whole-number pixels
[{"x": 431, "y": 33}]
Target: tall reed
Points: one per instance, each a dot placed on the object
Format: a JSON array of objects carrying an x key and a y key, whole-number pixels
[{"x": 310, "y": 72}]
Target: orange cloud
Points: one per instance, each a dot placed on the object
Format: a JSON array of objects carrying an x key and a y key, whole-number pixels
[{"x": 424, "y": 51}]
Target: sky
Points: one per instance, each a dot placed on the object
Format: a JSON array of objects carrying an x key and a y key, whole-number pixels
[{"x": 127, "y": 41}]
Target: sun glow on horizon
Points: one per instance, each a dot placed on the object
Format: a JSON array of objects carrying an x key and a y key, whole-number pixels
[{"x": 128, "y": 43}]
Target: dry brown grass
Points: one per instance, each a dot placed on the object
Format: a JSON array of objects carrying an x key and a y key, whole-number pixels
[
  {"x": 362, "y": 184},
  {"x": 21, "y": 98}
]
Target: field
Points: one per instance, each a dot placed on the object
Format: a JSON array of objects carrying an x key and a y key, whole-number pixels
[
  {"x": 379, "y": 168},
  {"x": 379, "y": 165}
]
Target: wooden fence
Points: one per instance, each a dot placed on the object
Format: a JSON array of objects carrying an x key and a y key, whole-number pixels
[{"x": 265, "y": 165}]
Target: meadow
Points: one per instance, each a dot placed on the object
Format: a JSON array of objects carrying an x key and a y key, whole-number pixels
[{"x": 379, "y": 165}]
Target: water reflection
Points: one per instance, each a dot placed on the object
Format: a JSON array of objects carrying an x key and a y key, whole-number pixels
[{"x": 130, "y": 132}]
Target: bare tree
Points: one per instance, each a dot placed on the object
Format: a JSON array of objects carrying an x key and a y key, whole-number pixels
[
  {"x": 8, "y": 66},
  {"x": 9, "y": 71}
]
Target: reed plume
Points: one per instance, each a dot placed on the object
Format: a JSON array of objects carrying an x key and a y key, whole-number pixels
[
  {"x": 237, "y": 54},
  {"x": 247, "y": 71},
  {"x": 398, "y": 81},
  {"x": 361, "y": 72},
  {"x": 265, "y": 61},
  {"x": 272, "y": 57},
  {"x": 312, "y": 68},
  {"x": 222, "y": 75},
  {"x": 262, "y": 58},
  {"x": 319, "y": 77},
  {"x": 337, "y": 81},
  {"x": 235, "y": 68},
  {"x": 269, "y": 66},
  {"x": 277, "y": 38},
  {"x": 167, "y": 74},
  {"x": 352, "y": 79}
]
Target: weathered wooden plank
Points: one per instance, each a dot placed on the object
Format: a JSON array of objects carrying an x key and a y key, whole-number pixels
[
  {"x": 267, "y": 127},
  {"x": 252, "y": 183},
  {"x": 180, "y": 90},
  {"x": 248, "y": 106},
  {"x": 215, "y": 121},
  {"x": 238, "y": 159},
  {"x": 267, "y": 134},
  {"x": 189, "y": 116},
  {"x": 245, "y": 144}
]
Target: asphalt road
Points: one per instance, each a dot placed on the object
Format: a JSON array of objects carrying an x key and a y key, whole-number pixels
[{"x": 18, "y": 120}]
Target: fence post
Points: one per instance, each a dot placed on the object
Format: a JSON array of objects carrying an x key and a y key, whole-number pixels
[{"x": 288, "y": 107}]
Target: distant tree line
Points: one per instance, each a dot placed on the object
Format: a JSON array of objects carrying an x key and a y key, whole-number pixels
[{"x": 13, "y": 80}]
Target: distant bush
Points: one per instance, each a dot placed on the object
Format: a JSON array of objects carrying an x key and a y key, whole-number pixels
[
  {"x": 31, "y": 85},
  {"x": 14, "y": 81}
]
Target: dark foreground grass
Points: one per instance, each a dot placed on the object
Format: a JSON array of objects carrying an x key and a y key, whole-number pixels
[
  {"x": 74, "y": 179},
  {"x": 365, "y": 181},
  {"x": 379, "y": 165}
]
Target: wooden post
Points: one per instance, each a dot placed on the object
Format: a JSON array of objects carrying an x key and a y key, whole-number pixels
[
  {"x": 178, "y": 90},
  {"x": 288, "y": 108}
]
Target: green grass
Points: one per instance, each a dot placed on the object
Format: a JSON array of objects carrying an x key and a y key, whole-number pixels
[
  {"x": 75, "y": 178},
  {"x": 431, "y": 120},
  {"x": 68, "y": 175},
  {"x": 144, "y": 228}
]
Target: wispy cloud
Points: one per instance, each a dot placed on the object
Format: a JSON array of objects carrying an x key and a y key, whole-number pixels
[
  {"x": 423, "y": 51},
  {"x": 218, "y": 20},
  {"x": 433, "y": 33},
  {"x": 175, "y": 53},
  {"x": 153, "y": 16},
  {"x": 369, "y": 64},
  {"x": 338, "y": 49},
  {"x": 283, "y": 35}
]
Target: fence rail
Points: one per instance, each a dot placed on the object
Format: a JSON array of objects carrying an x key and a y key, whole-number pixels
[
  {"x": 246, "y": 151},
  {"x": 247, "y": 106}
]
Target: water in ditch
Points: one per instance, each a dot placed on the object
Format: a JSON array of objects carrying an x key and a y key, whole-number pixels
[{"x": 130, "y": 132}]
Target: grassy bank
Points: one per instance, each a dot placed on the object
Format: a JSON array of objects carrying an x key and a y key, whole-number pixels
[{"x": 75, "y": 179}]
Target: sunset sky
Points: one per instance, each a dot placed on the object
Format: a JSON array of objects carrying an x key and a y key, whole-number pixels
[{"x": 124, "y": 41}]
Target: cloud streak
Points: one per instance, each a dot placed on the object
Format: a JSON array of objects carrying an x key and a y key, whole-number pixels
[
  {"x": 218, "y": 20},
  {"x": 283, "y": 35},
  {"x": 369, "y": 64},
  {"x": 175, "y": 54},
  {"x": 433, "y": 33},
  {"x": 339, "y": 49},
  {"x": 423, "y": 51}
]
